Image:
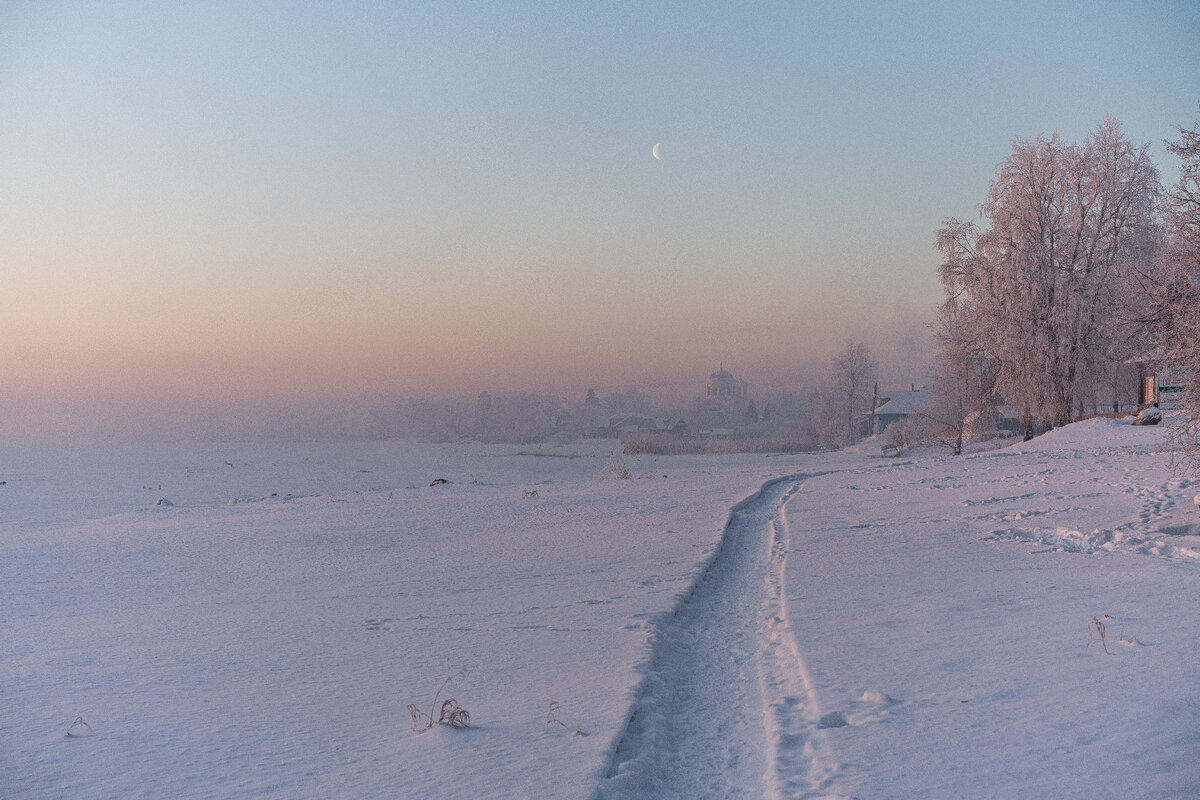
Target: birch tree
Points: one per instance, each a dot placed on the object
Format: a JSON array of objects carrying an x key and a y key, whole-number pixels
[
  {"x": 964, "y": 380},
  {"x": 1179, "y": 302},
  {"x": 1046, "y": 281},
  {"x": 852, "y": 382}
]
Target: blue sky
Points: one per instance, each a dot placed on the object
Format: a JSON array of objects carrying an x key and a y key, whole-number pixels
[{"x": 230, "y": 198}]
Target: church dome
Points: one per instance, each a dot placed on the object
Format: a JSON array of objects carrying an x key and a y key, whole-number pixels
[{"x": 722, "y": 384}]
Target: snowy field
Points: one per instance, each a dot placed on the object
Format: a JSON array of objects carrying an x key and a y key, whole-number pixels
[{"x": 736, "y": 626}]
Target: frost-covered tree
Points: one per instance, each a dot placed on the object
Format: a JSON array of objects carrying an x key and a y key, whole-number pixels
[
  {"x": 845, "y": 396},
  {"x": 825, "y": 416},
  {"x": 1046, "y": 284},
  {"x": 1184, "y": 203},
  {"x": 1179, "y": 297},
  {"x": 964, "y": 381}
]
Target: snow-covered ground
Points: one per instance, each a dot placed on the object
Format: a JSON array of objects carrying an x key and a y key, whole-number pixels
[{"x": 735, "y": 626}]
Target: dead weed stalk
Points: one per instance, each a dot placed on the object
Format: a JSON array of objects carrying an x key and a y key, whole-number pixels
[
  {"x": 1097, "y": 626},
  {"x": 552, "y": 719},
  {"x": 449, "y": 713}
]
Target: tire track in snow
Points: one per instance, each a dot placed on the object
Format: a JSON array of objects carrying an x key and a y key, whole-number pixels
[{"x": 726, "y": 707}]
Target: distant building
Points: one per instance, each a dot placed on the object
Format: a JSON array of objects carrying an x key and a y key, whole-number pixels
[
  {"x": 896, "y": 406},
  {"x": 723, "y": 386}
]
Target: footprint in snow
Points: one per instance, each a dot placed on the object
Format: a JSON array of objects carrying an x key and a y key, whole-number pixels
[
  {"x": 834, "y": 719},
  {"x": 384, "y": 624},
  {"x": 870, "y": 707}
]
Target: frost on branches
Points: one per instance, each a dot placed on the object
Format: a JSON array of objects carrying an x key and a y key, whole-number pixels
[
  {"x": 845, "y": 398},
  {"x": 1177, "y": 309},
  {"x": 1044, "y": 297}
]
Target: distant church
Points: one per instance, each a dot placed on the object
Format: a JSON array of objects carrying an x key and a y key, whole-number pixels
[{"x": 723, "y": 386}]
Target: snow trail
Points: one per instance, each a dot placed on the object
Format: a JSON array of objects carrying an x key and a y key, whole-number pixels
[
  {"x": 800, "y": 763},
  {"x": 726, "y": 707}
]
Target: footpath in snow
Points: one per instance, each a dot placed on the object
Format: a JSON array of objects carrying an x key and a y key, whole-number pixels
[
  {"x": 726, "y": 700},
  {"x": 727, "y": 707}
]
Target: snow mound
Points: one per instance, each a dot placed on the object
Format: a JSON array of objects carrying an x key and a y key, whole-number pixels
[
  {"x": 1149, "y": 416},
  {"x": 876, "y": 697},
  {"x": 1100, "y": 434}
]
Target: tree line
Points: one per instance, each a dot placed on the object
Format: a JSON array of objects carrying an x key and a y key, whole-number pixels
[{"x": 1079, "y": 269}]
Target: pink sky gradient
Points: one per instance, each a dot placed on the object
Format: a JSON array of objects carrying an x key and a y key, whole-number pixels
[{"x": 227, "y": 202}]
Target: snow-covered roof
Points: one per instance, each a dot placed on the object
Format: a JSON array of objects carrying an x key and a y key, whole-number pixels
[
  {"x": 903, "y": 402},
  {"x": 1008, "y": 412}
]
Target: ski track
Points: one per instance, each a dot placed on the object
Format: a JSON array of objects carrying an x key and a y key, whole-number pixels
[{"x": 726, "y": 707}]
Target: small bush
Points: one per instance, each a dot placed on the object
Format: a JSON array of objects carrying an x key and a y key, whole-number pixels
[
  {"x": 616, "y": 469},
  {"x": 659, "y": 444}
]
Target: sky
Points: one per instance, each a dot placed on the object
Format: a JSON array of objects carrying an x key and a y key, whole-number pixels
[{"x": 230, "y": 200}]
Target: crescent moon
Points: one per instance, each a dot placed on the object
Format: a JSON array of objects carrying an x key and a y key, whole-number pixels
[{"x": 654, "y": 152}]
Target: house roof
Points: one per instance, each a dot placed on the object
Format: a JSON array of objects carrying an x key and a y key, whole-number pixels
[{"x": 903, "y": 402}]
